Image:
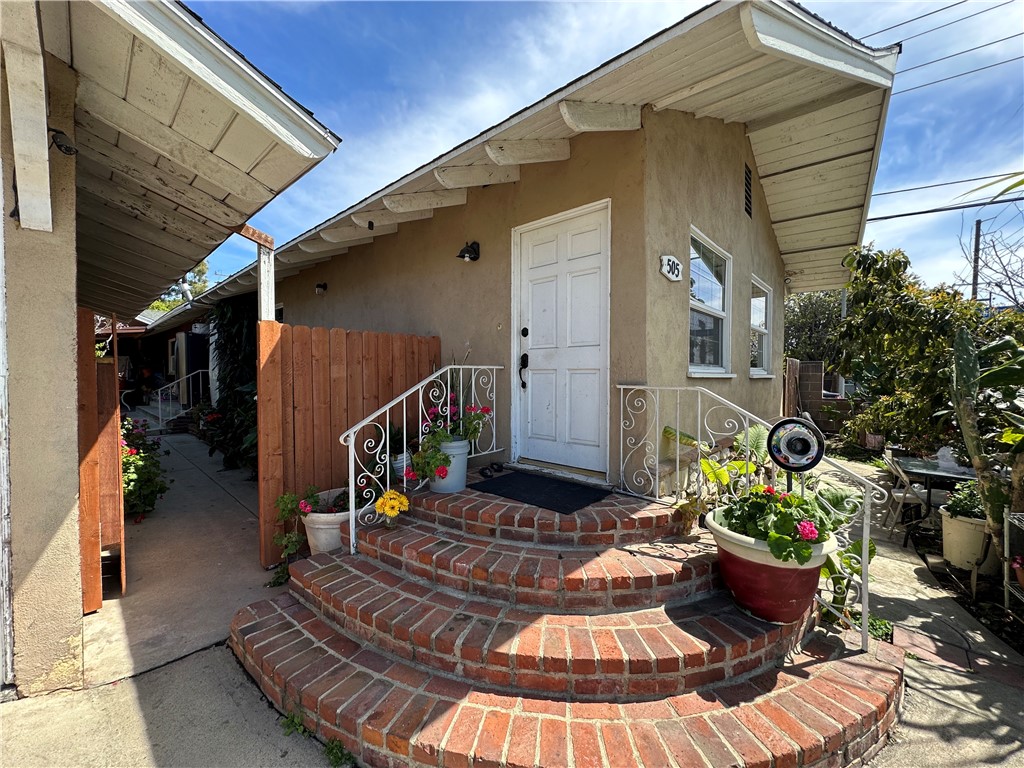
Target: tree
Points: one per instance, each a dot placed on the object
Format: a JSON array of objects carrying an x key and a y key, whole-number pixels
[
  {"x": 1000, "y": 265},
  {"x": 811, "y": 320},
  {"x": 173, "y": 297}
]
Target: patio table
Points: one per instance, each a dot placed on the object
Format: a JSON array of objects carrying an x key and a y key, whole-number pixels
[{"x": 931, "y": 470}]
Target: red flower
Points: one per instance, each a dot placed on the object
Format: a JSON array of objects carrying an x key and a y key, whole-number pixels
[
  {"x": 441, "y": 472},
  {"x": 410, "y": 474},
  {"x": 770, "y": 490}
]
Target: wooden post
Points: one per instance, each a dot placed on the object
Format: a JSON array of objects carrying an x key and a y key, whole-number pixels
[
  {"x": 88, "y": 466},
  {"x": 268, "y": 415},
  {"x": 791, "y": 389},
  {"x": 266, "y": 282}
]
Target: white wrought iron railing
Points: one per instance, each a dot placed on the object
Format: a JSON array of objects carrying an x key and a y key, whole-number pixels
[
  {"x": 392, "y": 432},
  {"x": 675, "y": 441},
  {"x": 181, "y": 396}
]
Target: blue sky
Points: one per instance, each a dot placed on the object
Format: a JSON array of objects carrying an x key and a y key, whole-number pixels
[{"x": 402, "y": 82}]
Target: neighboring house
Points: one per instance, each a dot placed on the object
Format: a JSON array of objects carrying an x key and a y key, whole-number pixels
[
  {"x": 741, "y": 143},
  {"x": 134, "y": 141}
]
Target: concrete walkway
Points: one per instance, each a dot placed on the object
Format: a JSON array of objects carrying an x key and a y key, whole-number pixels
[{"x": 179, "y": 698}]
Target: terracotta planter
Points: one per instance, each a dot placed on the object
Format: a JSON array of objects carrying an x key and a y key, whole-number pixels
[
  {"x": 456, "y": 478},
  {"x": 768, "y": 588}
]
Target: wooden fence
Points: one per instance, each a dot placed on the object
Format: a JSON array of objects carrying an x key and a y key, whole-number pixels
[{"x": 313, "y": 384}]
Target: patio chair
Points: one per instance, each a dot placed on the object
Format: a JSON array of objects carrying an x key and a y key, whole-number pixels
[{"x": 907, "y": 495}]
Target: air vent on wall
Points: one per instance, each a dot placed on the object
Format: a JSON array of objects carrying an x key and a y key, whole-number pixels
[{"x": 748, "y": 197}]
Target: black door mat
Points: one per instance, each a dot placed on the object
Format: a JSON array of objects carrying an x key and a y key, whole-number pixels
[{"x": 547, "y": 492}]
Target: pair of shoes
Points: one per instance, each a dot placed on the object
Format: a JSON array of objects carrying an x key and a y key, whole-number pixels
[
  {"x": 486, "y": 473},
  {"x": 496, "y": 467}
]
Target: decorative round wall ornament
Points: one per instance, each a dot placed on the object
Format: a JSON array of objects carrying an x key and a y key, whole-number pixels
[{"x": 795, "y": 445}]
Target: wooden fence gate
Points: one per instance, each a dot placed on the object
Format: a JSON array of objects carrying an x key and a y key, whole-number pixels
[{"x": 313, "y": 384}]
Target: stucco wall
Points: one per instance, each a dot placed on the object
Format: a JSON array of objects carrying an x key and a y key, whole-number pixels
[
  {"x": 411, "y": 282},
  {"x": 43, "y": 435},
  {"x": 694, "y": 177}
]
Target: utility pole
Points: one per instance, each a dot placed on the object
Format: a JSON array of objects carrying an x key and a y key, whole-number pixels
[{"x": 977, "y": 259}]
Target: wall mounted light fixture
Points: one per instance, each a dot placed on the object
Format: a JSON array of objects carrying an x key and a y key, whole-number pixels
[
  {"x": 60, "y": 140},
  {"x": 321, "y": 289},
  {"x": 471, "y": 252}
]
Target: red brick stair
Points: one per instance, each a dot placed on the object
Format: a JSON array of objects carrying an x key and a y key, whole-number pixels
[
  {"x": 821, "y": 711},
  {"x": 632, "y": 654},
  {"x": 578, "y": 579}
]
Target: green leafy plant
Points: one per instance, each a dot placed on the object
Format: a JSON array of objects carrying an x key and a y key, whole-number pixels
[
  {"x": 234, "y": 432},
  {"x": 965, "y": 501},
  {"x": 445, "y": 425},
  {"x": 790, "y": 523},
  {"x": 142, "y": 477},
  {"x": 290, "y": 510},
  {"x": 292, "y": 723},
  {"x": 337, "y": 755},
  {"x": 878, "y": 628}
]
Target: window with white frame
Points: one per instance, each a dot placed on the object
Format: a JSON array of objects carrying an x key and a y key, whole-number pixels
[
  {"x": 709, "y": 307},
  {"x": 760, "y": 327}
]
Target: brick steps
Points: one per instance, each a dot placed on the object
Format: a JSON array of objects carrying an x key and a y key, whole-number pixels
[
  {"x": 560, "y": 580},
  {"x": 615, "y": 521},
  {"x": 820, "y": 712},
  {"x": 628, "y": 655}
]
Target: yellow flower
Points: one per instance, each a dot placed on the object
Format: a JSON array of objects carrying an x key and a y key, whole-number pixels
[{"x": 391, "y": 504}]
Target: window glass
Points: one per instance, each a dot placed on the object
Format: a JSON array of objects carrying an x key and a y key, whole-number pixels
[
  {"x": 758, "y": 306},
  {"x": 706, "y": 337},
  {"x": 760, "y": 320},
  {"x": 707, "y": 276}
]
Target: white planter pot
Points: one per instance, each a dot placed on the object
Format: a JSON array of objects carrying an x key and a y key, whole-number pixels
[
  {"x": 962, "y": 541},
  {"x": 323, "y": 529},
  {"x": 456, "y": 479},
  {"x": 399, "y": 463}
]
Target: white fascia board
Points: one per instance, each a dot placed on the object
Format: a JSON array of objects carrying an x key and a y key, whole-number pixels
[
  {"x": 176, "y": 33},
  {"x": 785, "y": 32},
  {"x": 551, "y": 100}
]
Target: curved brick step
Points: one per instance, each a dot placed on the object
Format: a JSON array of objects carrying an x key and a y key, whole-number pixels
[
  {"x": 635, "y": 654},
  {"x": 390, "y": 713},
  {"x": 615, "y": 521},
  {"x": 576, "y": 580}
]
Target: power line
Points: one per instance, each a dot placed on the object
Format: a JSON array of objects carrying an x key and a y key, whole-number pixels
[
  {"x": 942, "y": 210},
  {"x": 946, "y": 183},
  {"x": 960, "y": 53},
  {"x": 954, "y": 77},
  {"x": 904, "y": 23},
  {"x": 955, "y": 21}
]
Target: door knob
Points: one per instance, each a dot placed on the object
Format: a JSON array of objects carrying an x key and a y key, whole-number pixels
[{"x": 524, "y": 363}]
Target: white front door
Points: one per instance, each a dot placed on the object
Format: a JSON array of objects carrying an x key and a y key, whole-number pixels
[{"x": 563, "y": 266}]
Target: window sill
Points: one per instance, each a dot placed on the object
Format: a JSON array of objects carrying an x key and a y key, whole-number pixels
[
  {"x": 710, "y": 375},
  {"x": 762, "y": 375}
]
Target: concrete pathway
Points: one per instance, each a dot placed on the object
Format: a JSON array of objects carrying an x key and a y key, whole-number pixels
[{"x": 193, "y": 563}]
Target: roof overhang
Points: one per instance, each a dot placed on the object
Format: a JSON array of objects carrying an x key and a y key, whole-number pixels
[
  {"x": 180, "y": 140},
  {"x": 813, "y": 101}
]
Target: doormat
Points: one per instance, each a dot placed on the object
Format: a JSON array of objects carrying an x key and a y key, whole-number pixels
[{"x": 547, "y": 492}]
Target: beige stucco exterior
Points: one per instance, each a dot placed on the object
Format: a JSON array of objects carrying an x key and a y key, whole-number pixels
[
  {"x": 41, "y": 342},
  {"x": 675, "y": 172}
]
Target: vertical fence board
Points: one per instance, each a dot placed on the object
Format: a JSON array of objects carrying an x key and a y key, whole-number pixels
[
  {"x": 302, "y": 365},
  {"x": 339, "y": 405},
  {"x": 287, "y": 408},
  {"x": 354, "y": 376},
  {"x": 321, "y": 341},
  {"x": 268, "y": 414},
  {"x": 88, "y": 467},
  {"x": 422, "y": 358},
  {"x": 369, "y": 373},
  {"x": 120, "y": 475},
  {"x": 109, "y": 447}
]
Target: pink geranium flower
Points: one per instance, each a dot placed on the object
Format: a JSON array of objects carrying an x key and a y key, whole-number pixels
[
  {"x": 807, "y": 530},
  {"x": 305, "y": 507}
]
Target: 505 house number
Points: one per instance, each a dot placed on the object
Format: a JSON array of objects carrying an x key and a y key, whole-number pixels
[{"x": 672, "y": 268}]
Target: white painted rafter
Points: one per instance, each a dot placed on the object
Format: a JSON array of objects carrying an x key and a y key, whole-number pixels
[
  {"x": 21, "y": 45},
  {"x": 586, "y": 117},
  {"x": 711, "y": 82},
  {"x": 384, "y": 217},
  {"x": 421, "y": 201},
  {"x": 304, "y": 257},
  {"x": 119, "y": 114},
  {"x": 93, "y": 209},
  {"x": 461, "y": 176},
  {"x": 352, "y": 234},
  {"x": 527, "y": 151}
]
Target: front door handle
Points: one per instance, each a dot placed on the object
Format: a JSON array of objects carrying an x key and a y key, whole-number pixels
[{"x": 524, "y": 363}]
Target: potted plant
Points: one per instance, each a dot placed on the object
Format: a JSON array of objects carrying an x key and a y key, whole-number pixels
[
  {"x": 390, "y": 505},
  {"x": 963, "y": 530},
  {"x": 444, "y": 447},
  {"x": 771, "y": 546},
  {"x": 323, "y": 513},
  {"x": 398, "y": 450}
]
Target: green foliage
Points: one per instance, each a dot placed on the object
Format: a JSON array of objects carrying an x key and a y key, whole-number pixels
[
  {"x": 290, "y": 510},
  {"x": 292, "y": 723},
  {"x": 337, "y": 755},
  {"x": 965, "y": 501},
  {"x": 142, "y": 477},
  {"x": 790, "y": 523},
  {"x": 810, "y": 323},
  {"x": 234, "y": 432},
  {"x": 878, "y": 628},
  {"x": 835, "y": 570},
  {"x": 173, "y": 297}
]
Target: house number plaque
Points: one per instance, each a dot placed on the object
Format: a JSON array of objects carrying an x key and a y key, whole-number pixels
[{"x": 672, "y": 268}]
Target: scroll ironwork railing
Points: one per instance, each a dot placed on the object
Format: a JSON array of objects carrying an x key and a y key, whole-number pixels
[
  {"x": 687, "y": 444},
  {"x": 379, "y": 445}
]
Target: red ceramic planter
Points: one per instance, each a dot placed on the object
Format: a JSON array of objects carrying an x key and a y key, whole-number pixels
[{"x": 766, "y": 587}]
